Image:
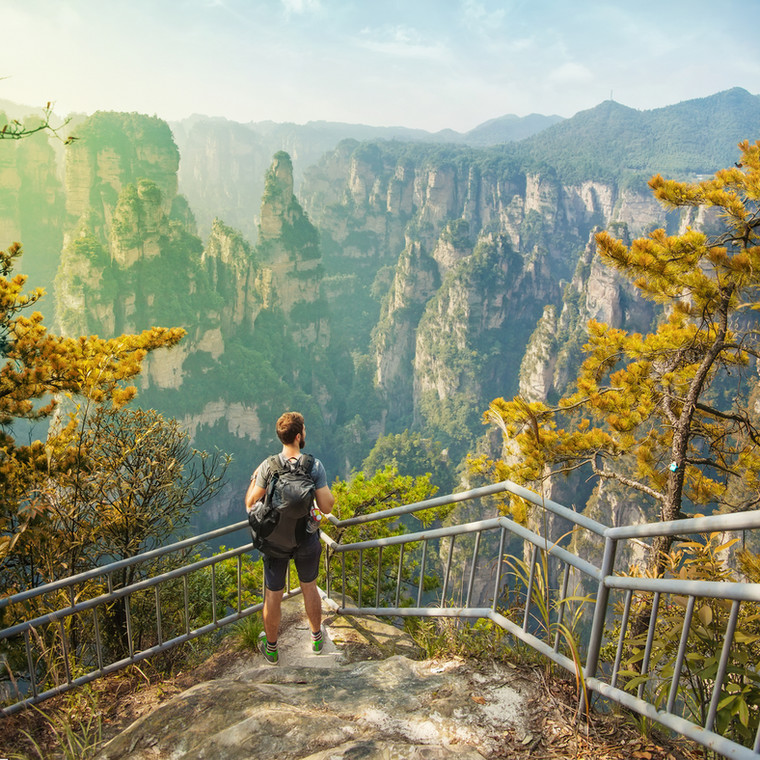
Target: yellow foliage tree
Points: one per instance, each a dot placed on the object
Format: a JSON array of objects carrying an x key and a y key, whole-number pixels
[
  {"x": 37, "y": 367},
  {"x": 668, "y": 414}
]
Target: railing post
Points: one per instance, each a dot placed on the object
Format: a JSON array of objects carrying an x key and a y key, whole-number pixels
[
  {"x": 239, "y": 583},
  {"x": 561, "y": 607},
  {"x": 475, "y": 552},
  {"x": 30, "y": 662},
  {"x": 343, "y": 576},
  {"x": 422, "y": 573},
  {"x": 499, "y": 559},
  {"x": 128, "y": 611},
  {"x": 213, "y": 592},
  {"x": 621, "y": 637},
  {"x": 723, "y": 666},
  {"x": 98, "y": 645},
  {"x": 600, "y": 610},
  {"x": 361, "y": 578},
  {"x": 448, "y": 571},
  {"x": 159, "y": 630},
  {"x": 65, "y": 648},
  {"x": 529, "y": 590},
  {"x": 186, "y": 600},
  {"x": 398, "y": 579},
  {"x": 379, "y": 566},
  {"x": 650, "y": 641}
]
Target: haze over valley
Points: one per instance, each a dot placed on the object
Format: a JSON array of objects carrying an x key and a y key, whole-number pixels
[{"x": 389, "y": 283}]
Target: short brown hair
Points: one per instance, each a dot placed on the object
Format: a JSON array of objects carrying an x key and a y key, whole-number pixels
[{"x": 289, "y": 426}]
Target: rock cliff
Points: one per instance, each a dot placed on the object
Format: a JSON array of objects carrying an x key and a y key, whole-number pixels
[
  {"x": 391, "y": 285},
  {"x": 463, "y": 250},
  {"x": 255, "y": 315}
]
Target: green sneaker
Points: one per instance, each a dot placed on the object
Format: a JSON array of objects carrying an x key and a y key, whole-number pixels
[
  {"x": 316, "y": 644},
  {"x": 271, "y": 657}
]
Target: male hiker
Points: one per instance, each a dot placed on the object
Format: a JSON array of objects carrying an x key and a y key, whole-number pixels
[{"x": 304, "y": 547}]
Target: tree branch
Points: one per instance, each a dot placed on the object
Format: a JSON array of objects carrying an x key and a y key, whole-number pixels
[{"x": 628, "y": 482}]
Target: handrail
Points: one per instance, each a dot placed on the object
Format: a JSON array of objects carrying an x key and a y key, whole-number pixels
[
  {"x": 466, "y": 528},
  {"x": 743, "y": 592},
  {"x": 734, "y": 521},
  {"x": 112, "y": 567},
  {"x": 504, "y": 486},
  {"x": 120, "y": 593}
]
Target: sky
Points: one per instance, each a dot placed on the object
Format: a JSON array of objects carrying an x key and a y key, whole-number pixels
[{"x": 427, "y": 64}]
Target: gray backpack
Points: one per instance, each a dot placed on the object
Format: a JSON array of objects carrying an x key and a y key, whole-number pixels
[{"x": 278, "y": 522}]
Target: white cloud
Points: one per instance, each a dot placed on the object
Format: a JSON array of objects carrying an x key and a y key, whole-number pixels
[
  {"x": 476, "y": 14},
  {"x": 401, "y": 42},
  {"x": 297, "y": 7},
  {"x": 570, "y": 73}
]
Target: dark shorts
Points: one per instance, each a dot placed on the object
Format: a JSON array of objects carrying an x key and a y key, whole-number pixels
[{"x": 306, "y": 558}]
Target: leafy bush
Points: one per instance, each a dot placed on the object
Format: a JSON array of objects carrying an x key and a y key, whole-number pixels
[{"x": 739, "y": 706}]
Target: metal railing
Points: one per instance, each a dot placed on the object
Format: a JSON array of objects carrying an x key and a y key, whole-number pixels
[
  {"x": 64, "y": 648},
  {"x": 565, "y": 598},
  {"x": 599, "y": 605}
]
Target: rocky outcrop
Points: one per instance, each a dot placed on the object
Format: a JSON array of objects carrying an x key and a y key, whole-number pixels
[
  {"x": 537, "y": 366},
  {"x": 139, "y": 221},
  {"x": 462, "y": 325},
  {"x": 240, "y": 420},
  {"x": 334, "y": 706},
  {"x": 482, "y": 310},
  {"x": 228, "y": 260},
  {"x": 289, "y": 253},
  {"x": 555, "y": 348},
  {"x": 111, "y": 151}
]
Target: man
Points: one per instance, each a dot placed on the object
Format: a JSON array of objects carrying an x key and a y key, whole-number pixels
[{"x": 291, "y": 431}]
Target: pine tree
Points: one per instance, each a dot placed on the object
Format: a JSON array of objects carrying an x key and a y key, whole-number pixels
[
  {"x": 38, "y": 367},
  {"x": 669, "y": 414}
]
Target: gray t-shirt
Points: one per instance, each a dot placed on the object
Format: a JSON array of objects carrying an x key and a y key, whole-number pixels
[{"x": 318, "y": 474}]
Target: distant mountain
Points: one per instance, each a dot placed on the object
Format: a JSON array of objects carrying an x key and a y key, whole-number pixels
[
  {"x": 18, "y": 110},
  {"x": 509, "y": 128},
  {"x": 223, "y": 162},
  {"x": 692, "y": 137}
]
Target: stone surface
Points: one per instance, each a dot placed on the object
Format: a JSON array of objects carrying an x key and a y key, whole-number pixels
[{"x": 335, "y": 707}]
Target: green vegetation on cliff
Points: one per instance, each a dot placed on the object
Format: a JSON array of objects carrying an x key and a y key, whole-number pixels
[
  {"x": 126, "y": 134},
  {"x": 612, "y": 141}
]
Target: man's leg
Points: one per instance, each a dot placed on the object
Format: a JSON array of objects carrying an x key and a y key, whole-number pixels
[
  {"x": 312, "y": 603},
  {"x": 275, "y": 570},
  {"x": 307, "y": 566},
  {"x": 272, "y": 613}
]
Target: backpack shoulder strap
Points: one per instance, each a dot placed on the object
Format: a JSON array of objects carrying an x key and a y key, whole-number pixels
[
  {"x": 275, "y": 464},
  {"x": 276, "y": 469},
  {"x": 306, "y": 463}
]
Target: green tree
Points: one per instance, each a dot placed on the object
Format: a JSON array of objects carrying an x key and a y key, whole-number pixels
[
  {"x": 362, "y": 495},
  {"x": 668, "y": 414},
  {"x": 412, "y": 454},
  {"x": 38, "y": 367}
]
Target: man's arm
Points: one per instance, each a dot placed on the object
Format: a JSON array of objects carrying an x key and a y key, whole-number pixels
[
  {"x": 253, "y": 494},
  {"x": 325, "y": 499}
]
